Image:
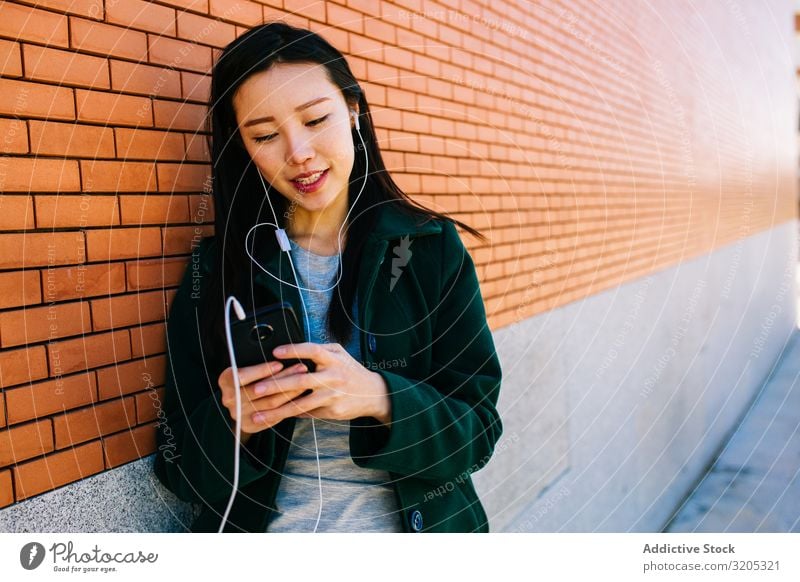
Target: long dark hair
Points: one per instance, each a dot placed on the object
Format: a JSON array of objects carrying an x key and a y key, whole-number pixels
[{"x": 239, "y": 197}]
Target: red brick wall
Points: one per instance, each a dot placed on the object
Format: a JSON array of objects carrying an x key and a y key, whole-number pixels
[{"x": 559, "y": 129}]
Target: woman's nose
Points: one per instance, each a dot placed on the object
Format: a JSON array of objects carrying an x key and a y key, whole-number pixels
[{"x": 299, "y": 149}]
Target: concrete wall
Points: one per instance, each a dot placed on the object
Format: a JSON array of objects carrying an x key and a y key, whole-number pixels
[{"x": 615, "y": 405}]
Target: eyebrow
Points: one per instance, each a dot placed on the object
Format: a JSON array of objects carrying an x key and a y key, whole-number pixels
[{"x": 299, "y": 108}]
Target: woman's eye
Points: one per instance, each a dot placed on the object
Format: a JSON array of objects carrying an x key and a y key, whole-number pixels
[
  {"x": 269, "y": 137},
  {"x": 318, "y": 121}
]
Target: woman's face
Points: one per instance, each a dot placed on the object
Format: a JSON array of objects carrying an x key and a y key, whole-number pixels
[{"x": 293, "y": 121}]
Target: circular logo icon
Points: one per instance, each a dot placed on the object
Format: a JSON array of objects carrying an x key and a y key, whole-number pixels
[{"x": 31, "y": 555}]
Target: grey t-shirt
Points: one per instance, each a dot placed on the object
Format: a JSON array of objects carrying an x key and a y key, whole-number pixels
[{"x": 354, "y": 499}]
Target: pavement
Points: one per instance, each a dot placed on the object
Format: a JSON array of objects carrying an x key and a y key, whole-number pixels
[{"x": 754, "y": 485}]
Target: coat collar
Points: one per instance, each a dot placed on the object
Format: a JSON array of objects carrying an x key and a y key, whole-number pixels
[{"x": 391, "y": 223}]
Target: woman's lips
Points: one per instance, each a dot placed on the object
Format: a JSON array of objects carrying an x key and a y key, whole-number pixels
[{"x": 313, "y": 186}]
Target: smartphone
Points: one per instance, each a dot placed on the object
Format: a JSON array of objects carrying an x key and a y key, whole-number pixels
[{"x": 255, "y": 336}]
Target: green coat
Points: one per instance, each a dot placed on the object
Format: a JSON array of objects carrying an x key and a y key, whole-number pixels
[{"x": 426, "y": 335}]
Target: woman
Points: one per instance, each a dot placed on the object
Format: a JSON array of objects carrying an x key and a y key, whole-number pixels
[{"x": 401, "y": 408}]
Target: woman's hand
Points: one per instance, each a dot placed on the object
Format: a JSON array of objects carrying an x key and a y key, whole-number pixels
[
  {"x": 252, "y": 379},
  {"x": 342, "y": 389}
]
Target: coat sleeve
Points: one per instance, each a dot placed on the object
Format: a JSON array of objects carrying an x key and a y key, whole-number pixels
[
  {"x": 195, "y": 432},
  {"x": 448, "y": 423}
]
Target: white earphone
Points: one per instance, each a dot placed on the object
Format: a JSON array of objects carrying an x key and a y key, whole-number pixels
[{"x": 283, "y": 242}]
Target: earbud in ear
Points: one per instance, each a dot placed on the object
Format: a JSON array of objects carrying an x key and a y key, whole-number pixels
[{"x": 354, "y": 115}]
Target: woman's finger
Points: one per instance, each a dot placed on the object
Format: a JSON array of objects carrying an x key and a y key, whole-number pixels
[{"x": 306, "y": 351}]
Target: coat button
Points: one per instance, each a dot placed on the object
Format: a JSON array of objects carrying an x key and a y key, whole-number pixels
[
  {"x": 415, "y": 519},
  {"x": 371, "y": 342}
]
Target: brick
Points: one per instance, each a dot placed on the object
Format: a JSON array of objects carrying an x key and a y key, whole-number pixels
[
  {"x": 398, "y": 57},
  {"x": 25, "y": 441},
  {"x": 13, "y": 136},
  {"x": 130, "y": 377},
  {"x": 179, "y": 54},
  {"x": 201, "y": 209},
  {"x": 140, "y": 15},
  {"x": 195, "y": 87},
  {"x": 146, "y": 144},
  {"x": 58, "y": 469},
  {"x": 10, "y": 59},
  {"x": 88, "y": 352},
  {"x": 40, "y": 249},
  {"x": 31, "y": 325},
  {"x": 19, "y": 288},
  {"x": 25, "y": 23},
  {"x": 344, "y": 18},
  {"x": 45, "y": 398},
  {"x": 178, "y": 239},
  {"x": 335, "y": 36},
  {"x": 382, "y": 74},
  {"x": 65, "y": 67},
  {"x": 27, "y": 99},
  {"x": 42, "y": 174},
  {"x": 87, "y": 8},
  {"x": 193, "y": 5},
  {"x": 93, "y": 422},
  {"x": 149, "y": 404},
  {"x": 238, "y": 11},
  {"x": 125, "y": 310},
  {"x": 145, "y": 79},
  {"x": 204, "y": 30},
  {"x": 113, "y": 109},
  {"x": 367, "y": 7},
  {"x": 154, "y": 209},
  {"x": 83, "y": 281},
  {"x": 179, "y": 116},
  {"x": 182, "y": 177},
  {"x": 313, "y": 9},
  {"x": 2, "y": 409},
  {"x": 69, "y": 211},
  {"x": 155, "y": 274},
  {"x": 130, "y": 445},
  {"x": 104, "y": 39},
  {"x": 6, "y": 489},
  {"x": 123, "y": 243},
  {"x": 71, "y": 140},
  {"x": 18, "y": 366},
  {"x": 382, "y": 30},
  {"x": 147, "y": 340},
  {"x": 366, "y": 47},
  {"x": 16, "y": 212},
  {"x": 101, "y": 176},
  {"x": 197, "y": 148}
]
